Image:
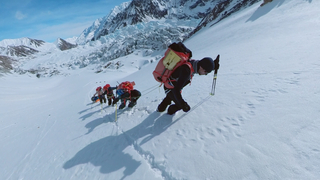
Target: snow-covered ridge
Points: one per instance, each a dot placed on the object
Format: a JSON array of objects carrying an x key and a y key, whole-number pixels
[
  {"x": 89, "y": 32},
  {"x": 21, "y": 41},
  {"x": 140, "y": 11}
]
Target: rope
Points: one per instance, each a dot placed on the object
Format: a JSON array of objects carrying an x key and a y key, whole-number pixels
[{"x": 149, "y": 90}]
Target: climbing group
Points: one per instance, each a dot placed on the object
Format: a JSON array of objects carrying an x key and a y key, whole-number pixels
[
  {"x": 175, "y": 70},
  {"x": 124, "y": 92}
]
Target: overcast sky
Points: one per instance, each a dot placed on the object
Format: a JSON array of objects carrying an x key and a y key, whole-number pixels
[{"x": 49, "y": 19}]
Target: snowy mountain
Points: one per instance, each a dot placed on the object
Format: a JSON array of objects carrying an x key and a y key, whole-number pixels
[
  {"x": 13, "y": 49},
  {"x": 129, "y": 28},
  {"x": 15, "y": 53},
  {"x": 32, "y": 43},
  {"x": 144, "y": 11},
  {"x": 89, "y": 33},
  {"x": 262, "y": 123},
  {"x": 20, "y": 47}
]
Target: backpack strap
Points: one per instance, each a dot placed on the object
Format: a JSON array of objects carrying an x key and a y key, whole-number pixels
[
  {"x": 168, "y": 84},
  {"x": 127, "y": 86}
]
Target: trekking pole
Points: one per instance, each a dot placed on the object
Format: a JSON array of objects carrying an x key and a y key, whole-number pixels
[
  {"x": 214, "y": 84},
  {"x": 116, "y": 118},
  {"x": 213, "y": 89}
]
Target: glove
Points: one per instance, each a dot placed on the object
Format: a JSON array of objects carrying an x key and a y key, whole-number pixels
[
  {"x": 216, "y": 63},
  {"x": 186, "y": 107}
]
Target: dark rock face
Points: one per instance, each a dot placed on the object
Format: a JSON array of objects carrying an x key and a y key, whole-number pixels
[
  {"x": 6, "y": 64},
  {"x": 64, "y": 45},
  {"x": 219, "y": 12},
  {"x": 36, "y": 42},
  {"x": 20, "y": 51}
]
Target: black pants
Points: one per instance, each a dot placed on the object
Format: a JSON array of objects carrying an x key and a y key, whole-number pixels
[
  {"x": 133, "y": 96},
  {"x": 102, "y": 99},
  {"x": 110, "y": 99},
  {"x": 169, "y": 98},
  {"x": 167, "y": 101}
]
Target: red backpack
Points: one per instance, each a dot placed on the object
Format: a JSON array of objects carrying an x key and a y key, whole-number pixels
[
  {"x": 127, "y": 86},
  {"x": 175, "y": 56}
]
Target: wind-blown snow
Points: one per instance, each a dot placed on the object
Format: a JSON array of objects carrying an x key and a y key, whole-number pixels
[{"x": 261, "y": 124}]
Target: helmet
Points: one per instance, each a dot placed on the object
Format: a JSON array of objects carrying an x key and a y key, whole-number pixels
[
  {"x": 207, "y": 64},
  {"x": 106, "y": 86},
  {"x": 98, "y": 88}
]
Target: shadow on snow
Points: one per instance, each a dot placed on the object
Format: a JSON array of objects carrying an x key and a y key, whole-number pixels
[{"x": 108, "y": 153}]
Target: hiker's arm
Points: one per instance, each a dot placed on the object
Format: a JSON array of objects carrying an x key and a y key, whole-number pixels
[{"x": 112, "y": 88}]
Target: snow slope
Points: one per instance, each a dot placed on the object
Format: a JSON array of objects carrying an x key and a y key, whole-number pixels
[{"x": 261, "y": 124}]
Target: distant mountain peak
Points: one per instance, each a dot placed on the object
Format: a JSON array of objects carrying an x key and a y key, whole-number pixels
[{"x": 64, "y": 45}]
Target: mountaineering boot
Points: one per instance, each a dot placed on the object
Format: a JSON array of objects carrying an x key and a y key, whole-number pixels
[
  {"x": 115, "y": 100},
  {"x": 132, "y": 103},
  {"x": 186, "y": 107},
  {"x": 173, "y": 109},
  {"x": 162, "y": 106},
  {"x": 123, "y": 104},
  {"x": 111, "y": 100}
]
